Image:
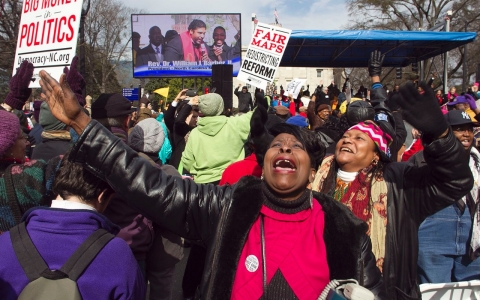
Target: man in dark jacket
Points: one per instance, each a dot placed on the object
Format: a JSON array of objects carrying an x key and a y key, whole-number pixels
[
  {"x": 245, "y": 102},
  {"x": 154, "y": 51},
  {"x": 113, "y": 112}
]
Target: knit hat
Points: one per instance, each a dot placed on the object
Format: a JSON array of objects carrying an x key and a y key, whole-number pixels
[
  {"x": 147, "y": 136},
  {"x": 47, "y": 120},
  {"x": 297, "y": 121},
  {"x": 323, "y": 106},
  {"x": 380, "y": 138},
  {"x": 281, "y": 110},
  {"x": 210, "y": 104},
  {"x": 36, "y": 110},
  {"x": 10, "y": 127},
  {"x": 110, "y": 106}
]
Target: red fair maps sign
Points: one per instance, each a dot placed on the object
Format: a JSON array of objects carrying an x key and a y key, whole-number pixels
[
  {"x": 47, "y": 35},
  {"x": 264, "y": 54}
]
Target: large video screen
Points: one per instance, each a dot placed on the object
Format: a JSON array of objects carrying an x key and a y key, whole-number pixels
[{"x": 184, "y": 45}]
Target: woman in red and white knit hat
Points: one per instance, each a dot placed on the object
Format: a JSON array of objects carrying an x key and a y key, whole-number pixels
[{"x": 394, "y": 198}]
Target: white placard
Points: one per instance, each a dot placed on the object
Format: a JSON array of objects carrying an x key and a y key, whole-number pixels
[
  {"x": 263, "y": 55},
  {"x": 47, "y": 35},
  {"x": 294, "y": 87}
]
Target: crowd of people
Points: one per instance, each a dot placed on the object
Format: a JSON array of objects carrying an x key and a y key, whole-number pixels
[{"x": 275, "y": 202}]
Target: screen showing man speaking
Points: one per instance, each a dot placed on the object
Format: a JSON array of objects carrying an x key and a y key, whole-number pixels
[{"x": 184, "y": 45}]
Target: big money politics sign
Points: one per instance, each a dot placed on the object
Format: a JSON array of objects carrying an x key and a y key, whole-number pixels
[{"x": 47, "y": 35}]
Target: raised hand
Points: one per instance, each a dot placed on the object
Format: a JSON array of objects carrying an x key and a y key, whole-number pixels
[
  {"x": 63, "y": 102},
  {"x": 375, "y": 63},
  {"x": 75, "y": 80},
  {"x": 259, "y": 134},
  {"x": 19, "y": 91},
  {"x": 422, "y": 111},
  {"x": 181, "y": 95},
  {"x": 471, "y": 101}
]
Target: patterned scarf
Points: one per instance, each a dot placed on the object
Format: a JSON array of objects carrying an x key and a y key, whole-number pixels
[{"x": 366, "y": 197}]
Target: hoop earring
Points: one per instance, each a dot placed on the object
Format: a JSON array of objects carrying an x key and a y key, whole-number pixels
[{"x": 374, "y": 162}]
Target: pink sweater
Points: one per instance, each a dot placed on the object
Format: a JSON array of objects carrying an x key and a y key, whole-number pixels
[{"x": 295, "y": 245}]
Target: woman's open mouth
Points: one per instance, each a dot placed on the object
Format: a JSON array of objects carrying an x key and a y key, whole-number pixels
[
  {"x": 284, "y": 165},
  {"x": 345, "y": 149}
]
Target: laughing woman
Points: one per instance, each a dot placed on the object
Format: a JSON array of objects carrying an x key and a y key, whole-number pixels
[
  {"x": 394, "y": 198},
  {"x": 269, "y": 238}
]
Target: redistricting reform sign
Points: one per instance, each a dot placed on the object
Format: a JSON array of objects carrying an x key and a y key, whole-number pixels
[
  {"x": 47, "y": 35},
  {"x": 264, "y": 54}
]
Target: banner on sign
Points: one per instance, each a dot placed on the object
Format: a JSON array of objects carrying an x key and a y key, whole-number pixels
[
  {"x": 294, "y": 87},
  {"x": 263, "y": 55},
  {"x": 47, "y": 35}
]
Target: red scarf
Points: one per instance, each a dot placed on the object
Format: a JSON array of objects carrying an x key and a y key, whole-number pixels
[
  {"x": 190, "y": 53},
  {"x": 357, "y": 196}
]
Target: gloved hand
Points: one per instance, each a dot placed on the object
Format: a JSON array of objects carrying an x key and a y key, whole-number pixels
[
  {"x": 19, "y": 91},
  {"x": 75, "y": 80},
  {"x": 375, "y": 63},
  {"x": 259, "y": 134},
  {"x": 392, "y": 103},
  {"x": 471, "y": 101},
  {"x": 258, "y": 120},
  {"x": 422, "y": 111},
  {"x": 378, "y": 95}
]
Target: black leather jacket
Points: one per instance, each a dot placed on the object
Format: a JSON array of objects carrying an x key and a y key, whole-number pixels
[
  {"x": 415, "y": 193},
  {"x": 220, "y": 217}
]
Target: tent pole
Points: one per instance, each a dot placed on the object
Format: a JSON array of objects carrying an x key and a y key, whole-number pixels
[
  {"x": 445, "y": 61},
  {"x": 464, "y": 67}
]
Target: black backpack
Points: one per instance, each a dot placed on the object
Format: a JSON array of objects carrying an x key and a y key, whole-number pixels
[{"x": 54, "y": 284}]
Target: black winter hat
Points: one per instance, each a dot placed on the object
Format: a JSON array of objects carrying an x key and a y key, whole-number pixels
[
  {"x": 110, "y": 106},
  {"x": 359, "y": 111}
]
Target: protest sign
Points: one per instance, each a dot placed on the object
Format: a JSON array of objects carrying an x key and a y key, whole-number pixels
[
  {"x": 294, "y": 87},
  {"x": 131, "y": 93},
  {"x": 263, "y": 55},
  {"x": 47, "y": 35}
]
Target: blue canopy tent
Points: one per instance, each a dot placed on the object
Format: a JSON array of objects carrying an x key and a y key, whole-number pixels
[{"x": 352, "y": 48}]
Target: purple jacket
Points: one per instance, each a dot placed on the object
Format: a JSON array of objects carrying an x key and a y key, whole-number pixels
[{"x": 57, "y": 233}]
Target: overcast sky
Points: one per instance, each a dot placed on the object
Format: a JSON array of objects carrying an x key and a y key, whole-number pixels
[{"x": 293, "y": 14}]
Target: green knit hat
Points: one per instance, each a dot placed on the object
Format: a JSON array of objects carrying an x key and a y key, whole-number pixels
[
  {"x": 48, "y": 121},
  {"x": 210, "y": 104}
]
